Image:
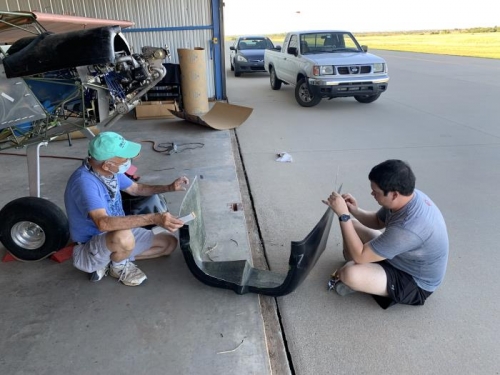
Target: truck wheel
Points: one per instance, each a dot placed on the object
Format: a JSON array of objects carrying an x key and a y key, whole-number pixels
[
  {"x": 275, "y": 82},
  {"x": 33, "y": 228},
  {"x": 303, "y": 96},
  {"x": 366, "y": 98}
]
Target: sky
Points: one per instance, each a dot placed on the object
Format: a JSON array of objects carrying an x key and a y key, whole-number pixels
[{"x": 276, "y": 16}]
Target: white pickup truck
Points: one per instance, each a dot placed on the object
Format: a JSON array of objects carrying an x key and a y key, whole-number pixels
[{"x": 326, "y": 64}]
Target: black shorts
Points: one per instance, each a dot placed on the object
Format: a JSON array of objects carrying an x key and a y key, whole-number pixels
[{"x": 401, "y": 288}]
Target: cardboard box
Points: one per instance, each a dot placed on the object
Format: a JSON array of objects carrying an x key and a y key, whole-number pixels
[{"x": 155, "y": 110}]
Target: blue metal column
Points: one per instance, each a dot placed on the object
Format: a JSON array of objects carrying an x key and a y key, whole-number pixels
[{"x": 216, "y": 45}]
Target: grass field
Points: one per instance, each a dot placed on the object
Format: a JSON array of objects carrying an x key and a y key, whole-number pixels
[
  {"x": 459, "y": 44},
  {"x": 481, "y": 44}
]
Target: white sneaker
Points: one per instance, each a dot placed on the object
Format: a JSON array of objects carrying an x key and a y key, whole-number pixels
[
  {"x": 99, "y": 274},
  {"x": 129, "y": 274}
]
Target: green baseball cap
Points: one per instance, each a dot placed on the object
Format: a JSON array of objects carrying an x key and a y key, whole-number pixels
[{"x": 107, "y": 145}]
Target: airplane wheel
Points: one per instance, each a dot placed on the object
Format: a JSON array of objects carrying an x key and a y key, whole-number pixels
[{"x": 33, "y": 228}]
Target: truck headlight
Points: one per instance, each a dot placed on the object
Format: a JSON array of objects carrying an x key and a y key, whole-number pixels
[
  {"x": 378, "y": 68},
  {"x": 241, "y": 58},
  {"x": 321, "y": 70}
]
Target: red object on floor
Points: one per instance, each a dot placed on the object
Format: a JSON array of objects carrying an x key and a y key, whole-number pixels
[
  {"x": 59, "y": 256},
  {"x": 8, "y": 257},
  {"x": 63, "y": 255}
]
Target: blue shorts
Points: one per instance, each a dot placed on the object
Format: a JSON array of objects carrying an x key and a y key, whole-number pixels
[{"x": 94, "y": 255}]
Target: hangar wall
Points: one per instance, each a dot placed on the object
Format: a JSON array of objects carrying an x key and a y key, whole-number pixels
[{"x": 175, "y": 23}]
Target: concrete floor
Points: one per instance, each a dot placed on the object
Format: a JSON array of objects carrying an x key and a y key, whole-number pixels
[
  {"x": 54, "y": 321},
  {"x": 440, "y": 114}
]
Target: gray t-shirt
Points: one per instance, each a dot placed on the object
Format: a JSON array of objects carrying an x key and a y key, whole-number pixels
[{"x": 415, "y": 241}]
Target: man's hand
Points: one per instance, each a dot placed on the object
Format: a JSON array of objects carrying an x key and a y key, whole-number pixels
[
  {"x": 337, "y": 203},
  {"x": 180, "y": 184},
  {"x": 351, "y": 202},
  {"x": 167, "y": 221}
]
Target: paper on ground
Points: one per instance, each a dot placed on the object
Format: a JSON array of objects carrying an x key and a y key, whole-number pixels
[
  {"x": 284, "y": 157},
  {"x": 186, "y": 219}
]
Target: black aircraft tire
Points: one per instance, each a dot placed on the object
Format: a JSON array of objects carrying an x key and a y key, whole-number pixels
[{"x": 33, "y": 228}]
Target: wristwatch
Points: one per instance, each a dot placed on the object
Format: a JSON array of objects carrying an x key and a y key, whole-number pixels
[{"x": 344, "y": 217}]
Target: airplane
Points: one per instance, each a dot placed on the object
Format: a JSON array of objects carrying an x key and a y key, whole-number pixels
[{"x": 60, "y": 74}]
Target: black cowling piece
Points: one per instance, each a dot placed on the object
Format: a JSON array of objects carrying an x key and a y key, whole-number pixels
[
  {"x": 47, "y": 52},
  {"x": 239, "y": 275},
  {"x": 24, "y": 42}
]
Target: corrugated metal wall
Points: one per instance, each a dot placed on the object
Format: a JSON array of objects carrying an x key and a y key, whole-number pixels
[{"x": 148, "y": 15}]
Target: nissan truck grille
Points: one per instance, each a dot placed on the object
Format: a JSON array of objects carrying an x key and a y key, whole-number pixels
[{"x": 354, "y": 69}]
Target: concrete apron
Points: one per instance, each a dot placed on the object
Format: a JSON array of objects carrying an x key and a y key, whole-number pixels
[{"x": 56, "y": 322}]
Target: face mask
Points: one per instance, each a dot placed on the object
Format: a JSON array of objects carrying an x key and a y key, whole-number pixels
[{"x": 124, "y": 167}]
